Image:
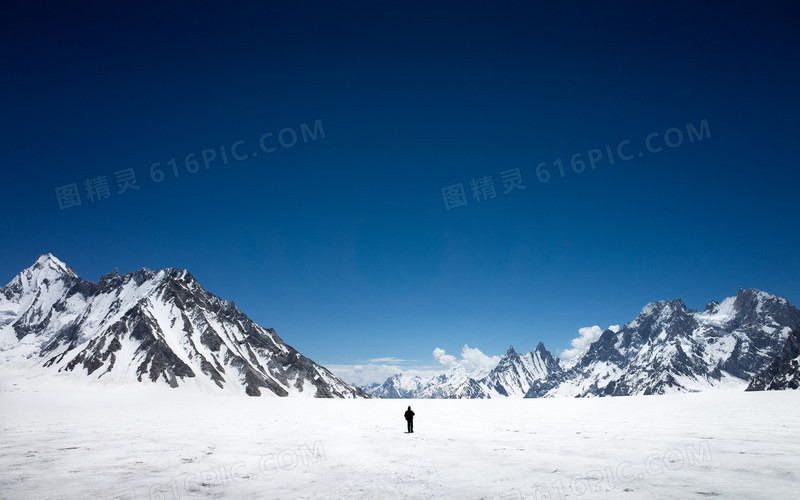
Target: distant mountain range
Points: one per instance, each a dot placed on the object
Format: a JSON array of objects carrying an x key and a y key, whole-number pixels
[
  {"x": 514, "y": 375},
  {"x": 156, "y": 326},
  {"x": 750, "y": 340}
]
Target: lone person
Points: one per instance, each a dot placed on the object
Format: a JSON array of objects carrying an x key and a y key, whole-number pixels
[{"x": 409, "y": 419}]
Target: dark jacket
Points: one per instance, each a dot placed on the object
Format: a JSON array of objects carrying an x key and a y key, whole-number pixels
[{"x": 409, "y": 415}]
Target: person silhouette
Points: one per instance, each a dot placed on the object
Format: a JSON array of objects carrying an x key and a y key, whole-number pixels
[{"x": 409, "y": 419}]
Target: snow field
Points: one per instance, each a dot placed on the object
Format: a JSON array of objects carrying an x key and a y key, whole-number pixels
[{"x": 147, "y": 442}]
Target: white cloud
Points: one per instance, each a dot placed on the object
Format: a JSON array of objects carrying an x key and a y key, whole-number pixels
[
  {"x": 473, "y": 360},
  {"x": 366, "y": 374},
  {"x": 476, "y": 362},
  {"x": 581, "y": 343},
  {"x": 444, "y": 359},
  {"x": 388, "y": 359}
]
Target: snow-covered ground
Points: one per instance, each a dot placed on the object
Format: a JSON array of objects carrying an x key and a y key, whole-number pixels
[{"x": 65, "y": 441}]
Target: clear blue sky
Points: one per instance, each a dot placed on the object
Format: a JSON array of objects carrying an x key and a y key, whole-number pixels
[{"x": 343, "y": 243}]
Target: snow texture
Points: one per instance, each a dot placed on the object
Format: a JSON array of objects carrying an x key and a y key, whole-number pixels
[{"x": 146, "y": 441}]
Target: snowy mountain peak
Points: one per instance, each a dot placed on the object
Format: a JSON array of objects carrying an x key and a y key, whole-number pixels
[
  {"x": 551, "y": 362},
  {"x": 718, "y": 313},
  {"x": 663, "y": 309},
  {"x": 663, "y": 316},
  {"x": 156, "y": 326},
  {"x": 752, "y": 304},
  {"x": 50, "y": 265},
  {"x": 511, "y": 377},
  {"x": 671, "y": 348},
  {"x": 667, "y": 348},
  {"x": 747, "y": 307},
  {"x": 50, "y": 261},
  {"x": 44, "y": 273}
]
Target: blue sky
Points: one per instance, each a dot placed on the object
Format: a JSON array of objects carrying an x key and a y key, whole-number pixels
[{"x": 343, "y": 243}]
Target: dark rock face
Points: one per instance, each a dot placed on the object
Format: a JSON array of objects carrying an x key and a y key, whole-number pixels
[
  {"x": 784, "y": 372},
  {"x": 161, "y": 326},
  {"x": 551, "y": 363}
]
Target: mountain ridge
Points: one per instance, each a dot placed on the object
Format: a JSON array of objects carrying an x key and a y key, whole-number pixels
[
  {"x": 513, "y": 375},
  {"x": 161, "y": 326},
  {"x": 667, "y": 348}
]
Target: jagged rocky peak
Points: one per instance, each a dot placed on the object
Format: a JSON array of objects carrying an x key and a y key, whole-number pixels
[
  {"x": 754, "y": 305},
  {"x": 542, "y": 351},
  {"x": 551, "y": 362},
  {"x": 671, "y": 348},
  {"x": 141, "y": 276},
  {"x": 46, "y": 270},
  {"x": 513, "y": 376},
  {"x": 51, "y": 262},
  {"x": 667, "y": 348},
  {"x": 112, "y": 276},
  {"x": 748, "y": 307},
  {"x": 664, "y": 309},
  {"x": 511, "y": 357},
  {"x": 156, "y": 326},
  {"x": 660, "y": 312},
  {"x": 665, "y": 317}
]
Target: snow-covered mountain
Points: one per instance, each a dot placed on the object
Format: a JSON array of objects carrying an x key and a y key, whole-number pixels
[
  {"x": 667, "y": 348},
  {"x": 156, "y": 326},
  {"x": 671, "y": 348},
  {"x": 784, "y": 371},
  {"x": 453, "y": 383},
  {"x": 514, "y": 375}
]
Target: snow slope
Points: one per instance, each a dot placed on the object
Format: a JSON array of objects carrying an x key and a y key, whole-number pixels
[
  {"x": 147, "y": 441},
  {"x": 148, "y": 326}
]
